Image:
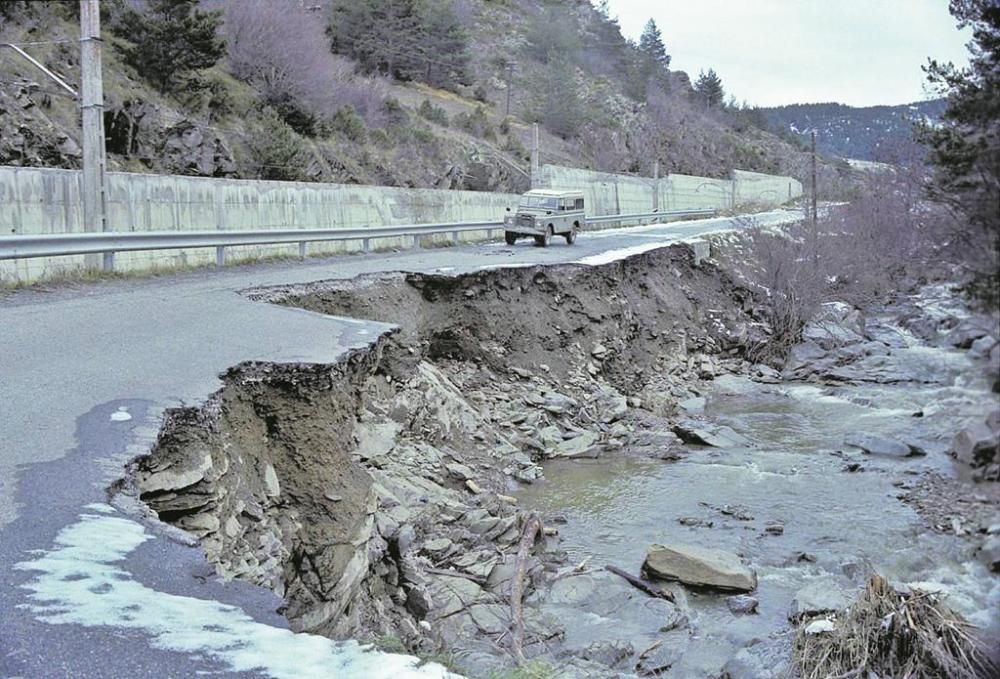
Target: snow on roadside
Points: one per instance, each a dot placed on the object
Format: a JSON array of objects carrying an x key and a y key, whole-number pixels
[{"x": 82, "y": 581}]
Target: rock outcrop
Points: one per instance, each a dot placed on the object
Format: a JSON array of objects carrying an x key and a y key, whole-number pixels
[{"x": 699, "y": 567}]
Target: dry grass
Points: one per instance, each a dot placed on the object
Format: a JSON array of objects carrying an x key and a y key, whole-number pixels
[{"x": 892, "y": 633}]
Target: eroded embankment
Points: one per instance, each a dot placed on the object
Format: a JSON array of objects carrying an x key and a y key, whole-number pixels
[{"x": 371, "y": 492}]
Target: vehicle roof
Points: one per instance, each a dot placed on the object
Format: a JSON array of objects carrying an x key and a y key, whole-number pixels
[{"x": 551, "y": 193}]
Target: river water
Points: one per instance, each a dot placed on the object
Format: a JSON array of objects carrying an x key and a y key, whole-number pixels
[{"x": 839, "y": 526}]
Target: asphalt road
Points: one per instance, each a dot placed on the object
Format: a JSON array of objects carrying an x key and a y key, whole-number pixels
[{"x": 86, "y": 373}]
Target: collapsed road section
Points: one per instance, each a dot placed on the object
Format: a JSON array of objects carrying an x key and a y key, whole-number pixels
[{"x": 379, "y": 495}]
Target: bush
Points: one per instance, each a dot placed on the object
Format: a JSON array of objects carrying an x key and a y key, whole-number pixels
[
  {"x": 278, "y": 152},
  {"x": 433, "y": 113},
  {"x": 477, "y": 123},
  {"x": 349, "y": 124}
]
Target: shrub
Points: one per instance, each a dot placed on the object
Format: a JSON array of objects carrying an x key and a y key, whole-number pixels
[
  {"x": 433, "y": 113},
  {"x": 277, "y": 151},
  {"x": 349, "y": 124}
]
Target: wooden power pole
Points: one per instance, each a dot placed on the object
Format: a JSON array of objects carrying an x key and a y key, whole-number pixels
[
  {"x": 536, "y": 167},
  {"x": 92, "y": 113},
  {"x": 510, "y": 80},
  {"x": 815, "y": 214}
]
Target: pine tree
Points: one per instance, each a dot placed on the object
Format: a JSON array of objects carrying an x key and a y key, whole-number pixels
[
  {"x": 965, "y": 146},
  {"x": 653, "y": 63},
  {"x": 405, "y": 39},
  {"x": 171, "y": 39},
  {"x": 708, "y": 89}
]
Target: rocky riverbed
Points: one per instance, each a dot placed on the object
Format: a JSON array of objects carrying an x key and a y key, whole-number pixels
[{"x": 385, "y": 496}]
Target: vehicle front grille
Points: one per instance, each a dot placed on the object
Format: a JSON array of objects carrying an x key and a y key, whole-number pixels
[{"x": 525, "y": 220}]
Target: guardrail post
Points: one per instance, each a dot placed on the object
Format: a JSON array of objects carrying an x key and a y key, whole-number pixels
[
  {"x": 366, "y": 244},
  {"x": 416, "y": 242},
  {"x": 454, "y": 237},
  {"x": 108, "y": 264},
  {"x": 220, "y": 255},
  {"x": 302, "y": 250}
]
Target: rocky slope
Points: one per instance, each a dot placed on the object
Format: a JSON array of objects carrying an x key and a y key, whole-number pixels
[
  {"x": 222, "y": 131},
  {"x": 375, "y": 494}
]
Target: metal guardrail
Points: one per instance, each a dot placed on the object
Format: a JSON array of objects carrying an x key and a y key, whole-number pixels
[{"x": 110, "y": 242}]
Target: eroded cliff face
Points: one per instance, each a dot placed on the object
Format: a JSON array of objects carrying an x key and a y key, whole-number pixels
[{"x": 372, "y": 493}]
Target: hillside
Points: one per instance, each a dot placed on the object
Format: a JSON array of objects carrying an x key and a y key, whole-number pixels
[
  {"x": 875, "y": 133},
  {"x": 424, "y": 106}
]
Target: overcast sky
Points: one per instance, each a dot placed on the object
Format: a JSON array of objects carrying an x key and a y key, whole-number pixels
[{"x": 773, "y": 52}]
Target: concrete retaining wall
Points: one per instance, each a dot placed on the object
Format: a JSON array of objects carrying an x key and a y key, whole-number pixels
[
  {"x": 42, "y": 200},
  {"x": 614, "y": 193}
]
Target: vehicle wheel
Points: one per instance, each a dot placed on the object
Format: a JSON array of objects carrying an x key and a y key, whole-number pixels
[
  {"x": 571, "y": 236},
  {"x": 509, "y": 237},
  {"x": 547, "y": 238}
]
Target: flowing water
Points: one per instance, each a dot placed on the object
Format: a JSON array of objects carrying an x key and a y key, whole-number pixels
[{"x": 838, "y": 525}]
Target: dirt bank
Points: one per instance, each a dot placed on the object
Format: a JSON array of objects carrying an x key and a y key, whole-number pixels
[{"x": 374, "y": 494}]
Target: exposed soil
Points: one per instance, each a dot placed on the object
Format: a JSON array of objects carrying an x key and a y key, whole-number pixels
[{"x": 374, "y": 493}]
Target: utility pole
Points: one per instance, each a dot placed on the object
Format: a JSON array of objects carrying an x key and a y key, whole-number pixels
[
  {"x": 656, "y": 185},
  {"x": 510, "y": 79},
  {"x": 92, "y": 113},
  {"x": 815, "y": 216},
  {"x": 535, "y": 165},
  {"x": 815, "y": 212}
]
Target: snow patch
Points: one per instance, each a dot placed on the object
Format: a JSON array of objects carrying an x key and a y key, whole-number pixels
[{"x": 82, "y": 581}]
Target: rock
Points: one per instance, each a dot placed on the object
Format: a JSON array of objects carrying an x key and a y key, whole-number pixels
[
  {"x": 694, "y": 522},
  {"x": 819, "y": 597},
  {"x": 375, "y": 438},
  {"x": 742, "y": 604},
  {"x": 177, "y": 475},
  {"x": 271, "y": 486},
  {"x": 437, "y": 545},
  {"x": 989, "y": 552},
  {"x": 820, "y": 627},
  {"x": 837, "y": 324},
  {"x": 877, "y": 445},
  {"x": 452, "y": 594},
  {"x": 699, "y": 567},
  {"x": 693, "y": 406},
  {"x": 608, "y": 653},
  {"x": 200, "y": 524},
  {"x": 419, "y": 602},
  {"x": 702, "y": 433},
  {"x": 963, "y": 336},
  {"x": 584, "y": 445},
  {"x": 758, "y": 660},
  {"x": 774, "y": 528},
  {"x": 976, "y": 445},
  {"x": 491, "y": 618},
  {"x": 460, "y": 471},
  {"x": 402, "y": 542},
  {"x": 473, "y": 487},
  {"x": 611, "y": 407},
  {"x": 982, "y": 347},
  {"x": 598, "y": 351}
]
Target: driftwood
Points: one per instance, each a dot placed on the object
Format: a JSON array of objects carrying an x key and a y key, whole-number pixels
[
  {"x": 642, "y": 585},
  {"x": 532, "y": 529}
]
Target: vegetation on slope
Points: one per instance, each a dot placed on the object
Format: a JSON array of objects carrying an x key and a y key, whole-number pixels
[{"x": 397, "y": 92}]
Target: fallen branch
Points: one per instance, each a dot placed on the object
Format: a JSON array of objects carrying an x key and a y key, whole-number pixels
[
  {"x": 532, "y": 529},
  {"x": 579, "y": 569},
  {"x": 642, "y": 585}
]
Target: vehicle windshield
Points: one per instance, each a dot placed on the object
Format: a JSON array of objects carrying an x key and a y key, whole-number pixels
[{"x": 543, "y": 202}]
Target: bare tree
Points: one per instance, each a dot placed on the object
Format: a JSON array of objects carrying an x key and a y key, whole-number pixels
[{"x": 281, "y": 48}]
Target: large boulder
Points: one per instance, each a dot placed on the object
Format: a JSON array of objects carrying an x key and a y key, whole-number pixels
[
  {"x": 699, "y": 567},
  {"x": 877, "y": 445},
  {"x": 836, "y": 325},
  {"x": 976, "y": 445},
  {"x": 703, "y": 433}
]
